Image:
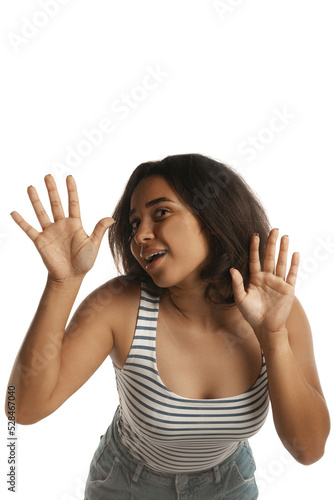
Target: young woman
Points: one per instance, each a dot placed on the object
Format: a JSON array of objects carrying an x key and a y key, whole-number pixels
[{"x": 202, "y": 328}]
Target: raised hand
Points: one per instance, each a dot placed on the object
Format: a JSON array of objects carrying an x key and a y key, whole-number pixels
[
  {"x": 66, "y": 250},
  {"x": 268, "y": 300}
]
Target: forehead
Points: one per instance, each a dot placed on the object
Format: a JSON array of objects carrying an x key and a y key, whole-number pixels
[{"x": 152, "y": 187}]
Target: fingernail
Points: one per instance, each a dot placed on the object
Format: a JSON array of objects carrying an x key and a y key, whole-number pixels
[{"x": 256, "y": 234}]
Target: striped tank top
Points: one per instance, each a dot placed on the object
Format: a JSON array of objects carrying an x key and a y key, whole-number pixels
[{"x": 171, "y": 433}]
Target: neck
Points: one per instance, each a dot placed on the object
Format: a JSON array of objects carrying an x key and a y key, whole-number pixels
[{"x": 192, "y": 305}]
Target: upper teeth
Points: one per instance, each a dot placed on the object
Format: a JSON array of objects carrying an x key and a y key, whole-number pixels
[{"x": 155, "y": 253}]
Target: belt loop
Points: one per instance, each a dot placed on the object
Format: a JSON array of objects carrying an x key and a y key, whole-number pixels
[
  {"x": 217, "y": 474},
  {"x": 137, "y": 473}
]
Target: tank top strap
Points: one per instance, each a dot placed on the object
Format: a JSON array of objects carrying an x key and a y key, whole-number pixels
[
  {"x": 142, "y": 352},
  {"x": 148, "y": 311}
]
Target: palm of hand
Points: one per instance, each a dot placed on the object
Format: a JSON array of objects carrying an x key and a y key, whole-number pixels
[
  {"x": 268, "y": 300},
  {"x": 66, "y": 250},
  {"x": 267, "y": 303},
  {"x": 65, "y": 245}
]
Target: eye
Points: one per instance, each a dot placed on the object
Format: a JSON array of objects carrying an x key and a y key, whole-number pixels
[
  {"x": 134, "y": 224},
  {"x": 161, "y": 210}
]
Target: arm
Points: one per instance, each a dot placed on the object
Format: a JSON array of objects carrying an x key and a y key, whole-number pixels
[
  {"x": 68, "y": 253},
  {"x": 36, "y": 367},
  {"x": 53, "y": 363},
  {"x": 300, "y": 413}
]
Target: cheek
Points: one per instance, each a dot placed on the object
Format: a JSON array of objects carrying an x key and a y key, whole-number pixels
[
  {"x": 179, "y": 229},
  {"x": 188, "y": 240}
]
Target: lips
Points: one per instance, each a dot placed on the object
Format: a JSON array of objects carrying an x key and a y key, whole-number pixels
[
  {"x": 149, "y": 252},
  {"x": 153, "y": 260},
  {"x": 154, "y": 255}
]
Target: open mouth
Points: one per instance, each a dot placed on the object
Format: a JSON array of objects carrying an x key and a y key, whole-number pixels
[{"x": 152, "y": 260}]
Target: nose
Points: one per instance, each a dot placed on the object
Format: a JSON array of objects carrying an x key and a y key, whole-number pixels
[{"x": 143, "y": 233}]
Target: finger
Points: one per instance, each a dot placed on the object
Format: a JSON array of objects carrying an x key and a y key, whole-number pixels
[
  {"x": 73, "y": 198},
  {"x": 238, "y": 286},
  {"x": 282, "y": 257},
  {"x": 254, "y": 259},
  {"x": 292, "y": 276},
  {"x": 42, "y": 216},
  {"x": 29, "y": 230},
  {"x": 56, "y": 206},
  {"x": 100, "y": 229},
  {"x": 269, "y": 256}
]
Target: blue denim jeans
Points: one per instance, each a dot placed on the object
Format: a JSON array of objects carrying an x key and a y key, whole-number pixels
[{"x": 115, "y": 475}]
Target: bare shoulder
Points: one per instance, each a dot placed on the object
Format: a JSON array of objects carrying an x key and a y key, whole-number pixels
[
  {"x": 301, "y": 342},
  {"x": 120, "y": 288},
  {"x": 90, "y": 336},
  {"x": 121, "y": 297},
  {"x": 116, "y": 298}
]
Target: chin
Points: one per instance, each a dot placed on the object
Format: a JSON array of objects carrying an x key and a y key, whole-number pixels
[{"x": 162, "y": 280}]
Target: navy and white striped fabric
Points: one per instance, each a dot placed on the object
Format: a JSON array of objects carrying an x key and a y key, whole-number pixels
[{"x": 171, "y": 433}]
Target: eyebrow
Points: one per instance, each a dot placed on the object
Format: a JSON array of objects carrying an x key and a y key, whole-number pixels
[{"x": 152, "y": 203}]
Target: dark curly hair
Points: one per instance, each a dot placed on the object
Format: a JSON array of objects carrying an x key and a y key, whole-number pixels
[{"x": 220, "y": 198}]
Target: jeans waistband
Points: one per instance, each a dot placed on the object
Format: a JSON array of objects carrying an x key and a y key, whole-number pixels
[{"x": 138, "y": 468}]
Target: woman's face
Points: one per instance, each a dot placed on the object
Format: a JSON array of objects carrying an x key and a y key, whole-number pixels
[{"x": 161, "y": 222}]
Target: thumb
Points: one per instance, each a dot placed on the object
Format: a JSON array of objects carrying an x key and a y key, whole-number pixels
[
  {"x": 100, "y": 229},
  {"x": 237, "y": 285}
]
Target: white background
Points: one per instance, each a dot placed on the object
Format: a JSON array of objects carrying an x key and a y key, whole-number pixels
[{"x": 227, "y": 71}]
